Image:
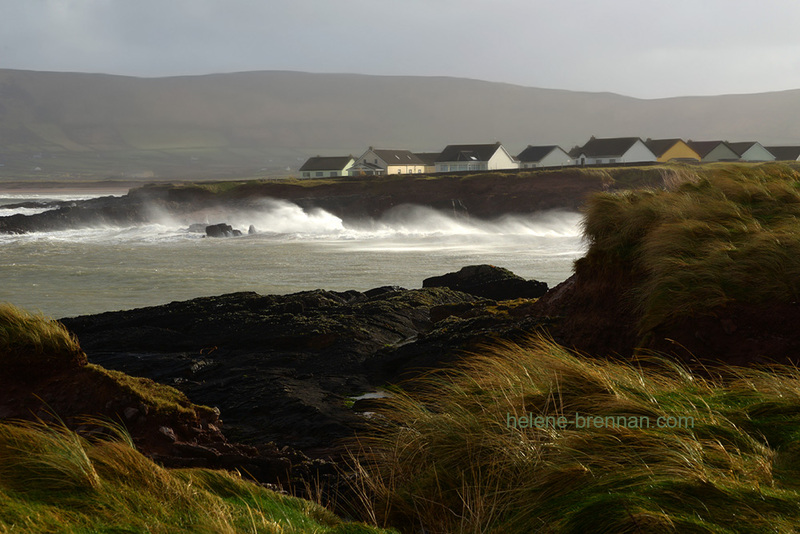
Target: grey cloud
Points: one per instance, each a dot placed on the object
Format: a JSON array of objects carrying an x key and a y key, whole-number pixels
[{"x": 615, "y": 45}]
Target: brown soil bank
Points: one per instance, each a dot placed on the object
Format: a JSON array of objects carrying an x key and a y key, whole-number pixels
[{"x": 708, "y": 268}]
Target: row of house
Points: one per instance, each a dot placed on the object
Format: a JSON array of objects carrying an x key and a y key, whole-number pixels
[
  {"x": 381, "y": 161},
  {"x": 488, "y": 157},
  {"x": 634, "y": 150}
]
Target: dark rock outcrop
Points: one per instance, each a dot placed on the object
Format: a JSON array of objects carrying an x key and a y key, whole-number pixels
[
  {"x": 115, "y": 211},
  {"x": 279, "y": 367},
  {"x": 490, "y": 282},
  {"x": 221, "y": 230}
]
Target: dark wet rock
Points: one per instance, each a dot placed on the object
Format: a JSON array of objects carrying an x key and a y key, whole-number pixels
[
  {"x": 278, "y": 366},
  {"x": 382, "y": 291},
  {"x": 251, "y": 230},
  {"x": 490, "y": 282},
  {"x": 221, "y": 230}
]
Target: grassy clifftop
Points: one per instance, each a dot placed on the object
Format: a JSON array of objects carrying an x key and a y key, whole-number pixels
[
  {"x": 714, "y": 236},
  {"x": 706, "y": 264}
]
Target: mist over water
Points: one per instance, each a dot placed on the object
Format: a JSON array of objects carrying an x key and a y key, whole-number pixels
[{"x": 73, "y": 272}]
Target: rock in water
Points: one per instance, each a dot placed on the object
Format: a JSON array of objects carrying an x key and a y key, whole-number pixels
[
  {"x": 489, "y": 282},
  {"x": 221, "y": 230},
  {"x": 251, "y": 230}
]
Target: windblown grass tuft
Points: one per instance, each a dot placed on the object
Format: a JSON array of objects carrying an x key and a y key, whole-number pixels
[
  {"x": 674, "y": 453},
  {"x": 35, "y": 342},
  {"x": 716, "y": 235},
  {"x": 52, "y": 480}
]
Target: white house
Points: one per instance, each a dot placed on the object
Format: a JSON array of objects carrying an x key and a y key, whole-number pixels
[
  {"x": 325, "y": 167},
  {"x": 543, "y": 156},
  {"x": 713, "y": 150},
  {"x": 612, "y": 150},
  {"x": 752, "y": 151},
  {"x": 429, "y": 159},
  {"x": 379, "y": 162},
  {"x": 785, "y": 153},
  {"x": 455, "y": 158}
]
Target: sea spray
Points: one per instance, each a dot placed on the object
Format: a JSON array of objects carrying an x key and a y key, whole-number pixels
[{"x": 107, "y": 267}]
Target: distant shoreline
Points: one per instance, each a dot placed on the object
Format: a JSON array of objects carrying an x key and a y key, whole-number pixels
[{"x": 66, "y": 187}]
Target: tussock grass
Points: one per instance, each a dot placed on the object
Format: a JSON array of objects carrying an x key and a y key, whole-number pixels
[
  {"x": 52, "y": 480},
  {"x": 161, "y": 400},
  {"x": 35, "y": 343},
  {"x": 715, "y": 235},
  {"x": 449, "y": 459}
]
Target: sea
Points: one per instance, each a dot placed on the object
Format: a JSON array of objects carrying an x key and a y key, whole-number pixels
[{"x": 83, "y": 271}]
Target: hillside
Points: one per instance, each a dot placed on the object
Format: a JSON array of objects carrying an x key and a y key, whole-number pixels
[{"x": 94, "y": 125}]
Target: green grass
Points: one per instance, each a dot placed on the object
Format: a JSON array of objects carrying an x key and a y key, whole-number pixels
[
  {"x": 160, "y": 399},
  {"x": 446, "y": 459},
  {"x": 30, "y": 342},
  {"x": 33, "y": 345},
  {"x": 53, "y": 480},
  {"x": 715, "y": 235}
]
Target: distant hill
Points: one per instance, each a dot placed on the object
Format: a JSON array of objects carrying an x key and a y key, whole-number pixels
[{"x": 71, "y": 124}]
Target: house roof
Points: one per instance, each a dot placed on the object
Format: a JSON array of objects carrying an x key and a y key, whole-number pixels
[
  {"x": 744, "y": 146},
  {"x": 784, "y": 153},
  {"x": 398, "y": 157},
  {"x": 536, "y": 153},
  {"x": 469, "y": 152},
  {"x": 428, "y": 158},
  {"x": 320, "y": 163},
  {"x": 608, "y": 147},
  {"x": 703, "y": 148},
  {"x": 659, "y": 147}
]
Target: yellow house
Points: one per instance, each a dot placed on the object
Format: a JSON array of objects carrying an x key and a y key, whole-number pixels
[
  {"x": 672, "y": 150},
  {"x": 380, "y": 162}
]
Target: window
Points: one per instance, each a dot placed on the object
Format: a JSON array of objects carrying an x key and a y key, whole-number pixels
[
  {"x": 612, "y": 160},
  {"x": 306, "y": 175},
  {"x": 334, "y": 173},
  {"x": 319, "y": 174}
]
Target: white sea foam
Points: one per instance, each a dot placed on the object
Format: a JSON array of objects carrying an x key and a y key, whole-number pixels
[{"x": 89, "y": 270}]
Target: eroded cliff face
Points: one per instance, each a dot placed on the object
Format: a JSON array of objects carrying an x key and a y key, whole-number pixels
[
  {"x": 594, "y": 312},
  {"x": 484, "y": 196},
  {"x": 704, "y": 268},
  {"x": 590, "y": 312}
]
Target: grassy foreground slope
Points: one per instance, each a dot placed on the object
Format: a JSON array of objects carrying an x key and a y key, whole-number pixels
[
  {"x": 55, "y": 480},
  {"x": 52, "y": 480},
  {"x": 653, "y": 449}
]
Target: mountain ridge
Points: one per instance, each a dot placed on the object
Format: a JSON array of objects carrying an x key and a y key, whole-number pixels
[{"x": 254, "y": 121}]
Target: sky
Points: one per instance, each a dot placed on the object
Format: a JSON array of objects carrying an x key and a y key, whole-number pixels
[{"x": 639, "y": 48}]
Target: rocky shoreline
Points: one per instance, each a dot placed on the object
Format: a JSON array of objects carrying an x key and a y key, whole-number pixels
[
  {"x": 291, "y": 378},
  {"x": 483, "y": 195},
  {"x": 276, "y": 383},
  {"x": 285, "y": 368}
]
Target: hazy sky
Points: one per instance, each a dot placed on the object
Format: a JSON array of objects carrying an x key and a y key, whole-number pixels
[{"x": 639, "y": 48}]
